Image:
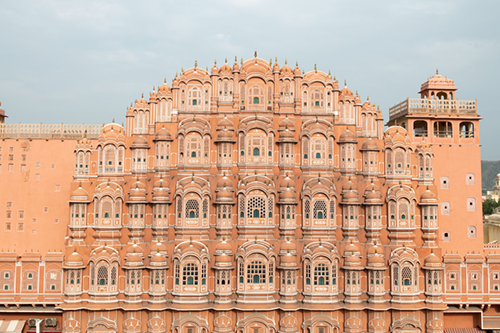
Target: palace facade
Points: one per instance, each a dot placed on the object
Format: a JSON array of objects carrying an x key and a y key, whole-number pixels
[{"x": 251, "y": 198}]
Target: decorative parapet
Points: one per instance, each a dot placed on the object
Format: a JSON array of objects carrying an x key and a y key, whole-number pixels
[
  {"x": 432, "y": 106},
  {"x": 49, "y": 131}
]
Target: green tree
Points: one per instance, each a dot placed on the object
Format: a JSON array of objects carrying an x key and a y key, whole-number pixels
[{"x": 489, "y": 205}]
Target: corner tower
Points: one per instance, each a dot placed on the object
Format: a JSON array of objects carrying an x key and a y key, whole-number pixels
[{"x": 450, "y": 127}]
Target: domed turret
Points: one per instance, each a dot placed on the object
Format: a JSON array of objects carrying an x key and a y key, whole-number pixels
[
  {"x": 161, "y": 191},
  {"x": 163, "y": 135},
  {"x": 370, "y": 145},
  {"x": 137, "y": 191},
  {"x": 432, "y": 261},
  {"x": 224, "y": 191},
  {"x": 223, "y": 254},
  {"x": 112, "y": 132},
  {"x": 140, "y": 142},
  {"x": 428, "y": 197},
  {"x": 74, "y": 260},
  {"x": 347, "y": 137},
  {"x": 225, "y": 69},
  {"x": 79, "y": 194},
  {"x": 287, "y": 192}
]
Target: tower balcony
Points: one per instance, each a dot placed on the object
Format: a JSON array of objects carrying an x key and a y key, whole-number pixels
[{"x": 432, "y": 107}]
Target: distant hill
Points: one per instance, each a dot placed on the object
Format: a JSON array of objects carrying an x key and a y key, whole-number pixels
[{"x": 489, "y": 170}]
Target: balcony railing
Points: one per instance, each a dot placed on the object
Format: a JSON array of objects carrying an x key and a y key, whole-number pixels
[
  {"x": 49, "y": 131},
  {"x": 432, "y": 106}
]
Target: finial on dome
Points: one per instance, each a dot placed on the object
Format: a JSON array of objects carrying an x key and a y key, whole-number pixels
[
  {"x": 315, "y": 68},
  {"x": 276, "y": 59},
  {"x": 215, "y": 62},
  {"x": 225, "y": 60},
  {"x": 329, "y": 73},
  {"x": 334, "y": 78},
  {"x": 206, "y": 68},
  {"x": 164, "y": 80},
  {"x": 182, "y": 70},
  {"x": 255, "y": 239},
  {"x": 235, "y": 58},
  {"x": 296, "y": 64},
  {"x": 195, "y": 63},
  {"x": 367, "y": 97},
  {"x": 286, "y": 62},
  {"x": 122, "y": 125},
  {"x": 345, "y": 83},
  {"x": 303, "y": 72},
  {"x": 255, "y": 54},
  {"x": 357, "y": 93},
  {"x": 241, "y": 61},
  {"x": 270, "y": 61},
  {"x": 176, "y": 74},
  {"x": 142, "y": 96},
  {"x": 437, "y": 72}
]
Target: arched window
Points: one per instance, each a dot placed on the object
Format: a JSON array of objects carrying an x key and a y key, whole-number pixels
[
  {"x": 317, "y": 98},
  {"x": 256, "y": 207},
  {"x": 193, "y": 146},
  {"x": 256, "y": 272},
  {"x": 195, "y": 97},
  {"x": 102, "y": 276},
  {"x": 466, "y": 130},
  {"x": 256, "y": 145},
  {"x": 256, "y": 152},
  {"x": 192, "y": 209},
  {"x": 319, "y": 211},
  {"x": 321, "y": 275},
  {"x": 406, "y": 276},
  {"x": 255, "y": 96},
  {"x": 190, "y": 274},
  {"x": 420, "y": 128}
]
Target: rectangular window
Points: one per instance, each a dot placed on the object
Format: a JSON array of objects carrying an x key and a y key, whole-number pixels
[
  {"x": 11, "y": 149},
  {"x": 8, "y": 214},
  {"x": 34, "y": 220},
  {"x": 20, "y": 226},
  {"x": 21, "y": 214},
  {"x": 11, "y": 157},
  {"x": 57, "y": 188},
  {"x": 11, "y": 167},
  {"x": 8, "y": 226},
  {"x": 52, "y": 166},
  {"x": 37, "y": 176},
  {"x": 23, "y": 168},
  {"x": 37, "y": 164},
  {"x": 45, "y": 209},
  {"x": 9, "y": 204},
  {"x": 23, "y": 158}
]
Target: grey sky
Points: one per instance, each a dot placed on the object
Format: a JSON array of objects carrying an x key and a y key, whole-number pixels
[{"x": 85, "y": 61}]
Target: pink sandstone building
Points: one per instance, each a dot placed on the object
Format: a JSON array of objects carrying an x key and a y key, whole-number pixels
[{"x": 250, "y": 198}]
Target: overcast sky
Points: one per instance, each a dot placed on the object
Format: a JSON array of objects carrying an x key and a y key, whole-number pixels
[{"x": 85, "y": 61}]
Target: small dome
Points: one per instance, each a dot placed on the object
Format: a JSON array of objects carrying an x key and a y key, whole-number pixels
[
  {"x": 286, "y": 123},
  {"x": 286, "y": 69},
  {"x": 158, "y": 258},
  {"x": 163, "y": 135},
  {"x": 164, "y": 88},
  {"x": 225, "y": 123},
  {"x": 225, "y": 135},
  {"x": 428, "y": 195},
  {"x": 157, "y": 247},
  {"x": 224, "y": 195},
  {"x": 80, "y": 194},
  {"x": 287, "y": 182},
  {"x": 214, "y": 70},
  {"x": 134, "y": 258},
  {"x": 348, "y": 186},
  {"x": 375, "y": 249},
  {"x": 347, "y": 136},
  {"x": 376, "y": 259},
  {"x": 288, "y": 246},
  {"x": 350, "y": 195},
  {"x": 432, "y": 259},
  {"x": 134, "y": 248},
  {"x": 369, "y": 144},
  {"x": 225, "y": 69},
  {"x": 223, "y": 246},
  {"x": 223, "y": 258},
  {"x": 112, "y": 132},
  {"x": 74, "y": 258},
  {"x": 286, "y": 135},
  {"x": 140, "y": 142},
  {"x": 346, "y": 92},
  {"x": 351, "y": 248},
  {"x": 224, "y": 182},
  {"x": 141, "y": 104},
  {"x": 152, "y": 96},
  {"x": 160, "y": 189},
  {"x": 138, "y": 190}
]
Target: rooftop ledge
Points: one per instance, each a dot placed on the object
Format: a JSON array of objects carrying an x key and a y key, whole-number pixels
[
  {"x": 432, "y": 106},
  {"x": 49, "y": 131}
]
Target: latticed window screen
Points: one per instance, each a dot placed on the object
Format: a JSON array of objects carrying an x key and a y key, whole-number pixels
[
  {"x": 321, "y": 275},
  {"x": 113, "y": 276},
  {"x": 332, "y": 209},
  {"x": 256, "y": 207},
  {"x": 206, "y": 146},
  {"x": 241, "y": 272},
  {"x": 334, "y": 274},
  {"x": 406, "y": 276},
  {"x": 192, "y": 209},
  {"x": 270, "y": 205},
  {"x": 205, "y": 208},
  {"x": 190, "y": 274},
  {"x": 308, "y": 274},
  {"x": 307, "y": 208},
  {"x": 102, "y": 276},
  {"x": 271, "y": 271},
  {"x": 179, "y": 207},
  {"x": 242, "y": 206},
  {"x": 177, "y": 273},
  {"x": 305, "y": 147},
  {"x": 256, "y": 272},
  {"x": 395, "y": 273},
  {"x": 319, "y": 211}
]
